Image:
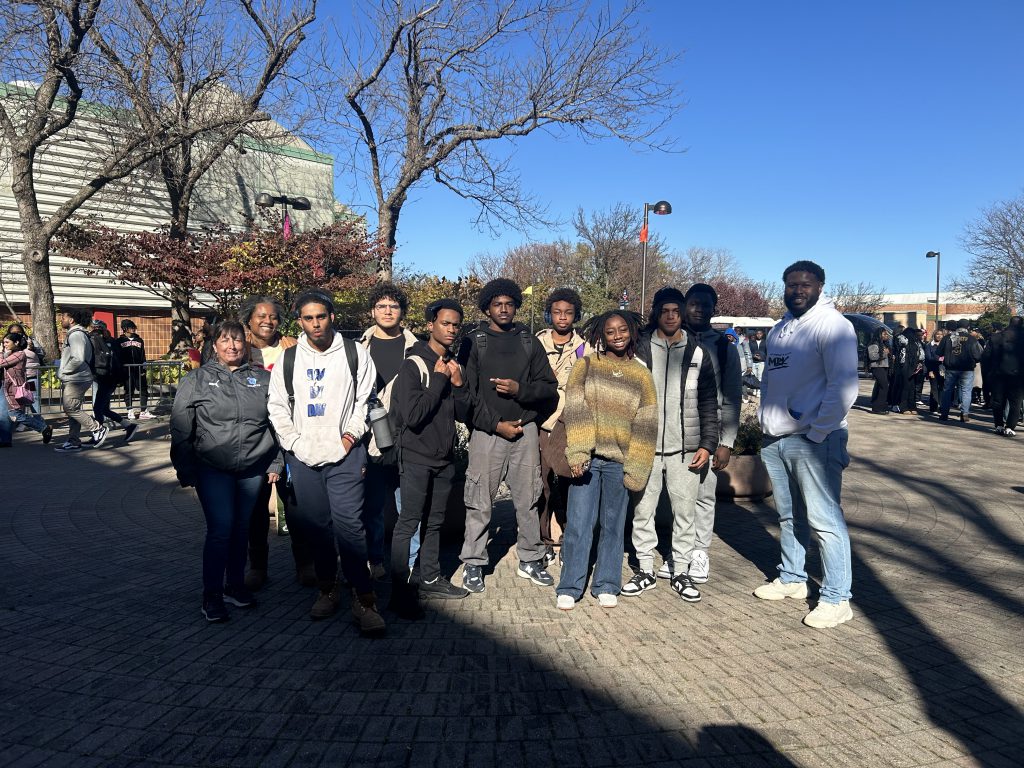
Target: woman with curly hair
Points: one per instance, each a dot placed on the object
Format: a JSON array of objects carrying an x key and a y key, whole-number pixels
[{"x": 611, "y": 424}]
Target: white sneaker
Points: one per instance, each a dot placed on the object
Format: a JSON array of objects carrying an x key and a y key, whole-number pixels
[
  {"x": 131, "y": 416},
  {"x": 607, "y": 601},
  {"x": 1009, "y": 432},
  {"x": 700, "y": 567},
  {"x": 146, "y": 415},
  {"x": 565, "y": 602},
  {"x": 828, "y": 615},
  {"x": 667, "y": 570},
  {"x": 20, "y": 428},
  {"x": 776, "y": 590}
]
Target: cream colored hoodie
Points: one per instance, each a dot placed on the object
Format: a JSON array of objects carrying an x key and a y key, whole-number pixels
[{"x": 327, "y": 405}]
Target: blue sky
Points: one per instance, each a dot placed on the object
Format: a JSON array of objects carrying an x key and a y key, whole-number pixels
[{"x": 860, "y": 135}]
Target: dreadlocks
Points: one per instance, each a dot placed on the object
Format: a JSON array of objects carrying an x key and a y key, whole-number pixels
[{"x": 593, "y": 330}]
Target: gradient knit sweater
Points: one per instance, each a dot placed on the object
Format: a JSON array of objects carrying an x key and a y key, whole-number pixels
[{"x": 611, "y": 411}]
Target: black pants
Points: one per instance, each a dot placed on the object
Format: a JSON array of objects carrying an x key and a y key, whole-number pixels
[
  {"x": 329, "y": 515},
  {"x": 136, "y": 382},
  {"x": 880, "y": 392},
  {"x": 1006, "y": 391},
  {"x": 935, "y": 391},
  {"x": 425, "y": 493},
  {"x": 259, "y": 528}
]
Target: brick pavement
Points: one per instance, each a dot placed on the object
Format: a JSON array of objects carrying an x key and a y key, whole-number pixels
[{"x": 106, "y": 660}]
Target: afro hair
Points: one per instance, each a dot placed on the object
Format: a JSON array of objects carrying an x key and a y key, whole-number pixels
[
  {"x": 499, "y": 286},
  {"x": 567, "y": 295},
  {"x": 389, "y": 291}
]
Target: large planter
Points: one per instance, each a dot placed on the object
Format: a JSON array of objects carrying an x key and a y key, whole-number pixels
[{"x": 744, "y": 478}]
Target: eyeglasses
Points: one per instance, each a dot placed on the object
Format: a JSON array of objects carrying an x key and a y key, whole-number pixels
[{"x": 383, "y": 307}]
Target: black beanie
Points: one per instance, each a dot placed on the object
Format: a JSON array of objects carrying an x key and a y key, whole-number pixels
[{"x": 668, "y": 295}]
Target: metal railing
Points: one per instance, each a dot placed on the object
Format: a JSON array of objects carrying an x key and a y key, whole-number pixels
[{"x": 157, "y": 379}]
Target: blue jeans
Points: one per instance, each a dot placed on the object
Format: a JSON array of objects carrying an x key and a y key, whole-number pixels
[
  {"x": 227, "y": 500},
  {"x": 6, "y": 431},
  {"x": 598, "y": 496},
  {"x": 28, "y": 418},
  {"x": 957, "y": 380},
  {"x": 807, "y": 481},
  {"x": 383, "y": 485}
]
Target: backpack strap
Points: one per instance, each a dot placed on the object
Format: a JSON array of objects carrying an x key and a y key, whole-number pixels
[
  {"x": 288, "y": 364},
  {"x": 421, "y": 364},
  {"x": 353, "y": 361}
]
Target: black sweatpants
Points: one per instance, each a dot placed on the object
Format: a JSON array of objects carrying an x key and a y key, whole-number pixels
[{"x": 425, "y": 492}]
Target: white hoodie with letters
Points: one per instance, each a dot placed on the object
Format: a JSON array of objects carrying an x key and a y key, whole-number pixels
[
  {"x": 327, "y": 401},
  {"x": 810, "y": 373}
]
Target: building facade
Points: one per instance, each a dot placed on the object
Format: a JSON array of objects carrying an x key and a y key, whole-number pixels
[{"x": 918, "y": 309}]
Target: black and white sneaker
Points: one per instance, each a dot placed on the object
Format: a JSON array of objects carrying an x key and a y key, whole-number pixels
[
  {"x": 549, "y": 556},
  {"x": 639, "y": 584},
  {"x": 98, "y": 437},
  {"x": 683, "y": 585},
  {"x": 214, "y": 609},
  {"x": 68, "y": 447},
  {"x": 239, "y": 596},
  {"x": 535, "y": 572},
  {"x": 1009, "y": 432},
  {"x": 443, "y": 589},
  {"x": 129, "y": 431},
  {"x": 473, "y": 578}
]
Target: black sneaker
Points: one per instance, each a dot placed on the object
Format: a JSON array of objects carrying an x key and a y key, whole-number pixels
[
  {"x": 47, "y": 434},
  {"x": 549, "y": 557},
  {"x": 129, "y": 431},
  {"x": 239, "y": 596},
  {"x": 443, "y": 589},
  {"x": 213, "y": 607},
  {"x": 473, "y": 578},
  {"x": 535, "y": 572},
  {"x": 639, "y": 584},
  {"x": 98, "y": 437},
  {"x": 683, "y": 585},
  {"x": 68, "y": 447}
]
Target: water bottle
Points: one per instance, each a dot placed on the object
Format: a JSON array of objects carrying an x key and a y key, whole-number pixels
[{"x": 380, "y": 424}]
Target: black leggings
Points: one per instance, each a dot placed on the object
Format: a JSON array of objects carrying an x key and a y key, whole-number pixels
[{"x": 880, "y": 392}]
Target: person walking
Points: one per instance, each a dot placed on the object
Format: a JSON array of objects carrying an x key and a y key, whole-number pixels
[
  {"x": 318, "y": 396},
  {"x": 960, "y": 353},
  {"x": 512, "y": 389},
  {"x": 76, "y": 376},
  {"x": 809, "y": 386},
  {"x": 611, "y": 423},
  {"x": 564, "y": 347},
  {"x": 429, "y": 397},
  {"x": 757, "y": 353},
  {"x": 16, "y": 394},
  {"x": 688, "y": 433},
  {"x": 933, "y": 369},
  {"x": 879, "y": 355},
  {"x": 222, "y": 444},
  {"x": 107, "y": 372}
]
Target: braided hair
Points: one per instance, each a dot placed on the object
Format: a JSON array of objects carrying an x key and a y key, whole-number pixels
[{"x": 593, "y": 330}]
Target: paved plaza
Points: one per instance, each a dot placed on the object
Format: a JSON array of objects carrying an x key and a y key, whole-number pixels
[{"x": 106, "y": 660}]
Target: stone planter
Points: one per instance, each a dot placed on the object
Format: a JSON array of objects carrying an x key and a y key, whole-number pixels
[{"x": 744, "y": 478}]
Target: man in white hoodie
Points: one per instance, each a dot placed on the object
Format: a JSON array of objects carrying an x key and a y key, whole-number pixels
[
  {"x": 320, "y": 420},
  {"x": 809, "y": 385}
]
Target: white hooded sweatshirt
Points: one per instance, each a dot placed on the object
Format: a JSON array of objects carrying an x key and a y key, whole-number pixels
[
  {"x": 327, "y": 401},
  {"x": 810, "y": 373}
]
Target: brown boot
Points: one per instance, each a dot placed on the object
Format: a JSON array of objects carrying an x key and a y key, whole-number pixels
[
  {"x": 255, "y": 578},
  {"x": 306, "y": 575},
  {"x": 326, "y": 604},
  {"x": 364, "y": 611}
]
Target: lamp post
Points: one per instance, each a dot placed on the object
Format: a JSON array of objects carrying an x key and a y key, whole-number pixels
[
  {"x": 938, "y": 265},
  {"x": 661, "y": 208},
  {"x": 266, "y": 200}
]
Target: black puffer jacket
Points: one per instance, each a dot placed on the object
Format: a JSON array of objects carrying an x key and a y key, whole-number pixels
[{"x": 220, "y": 419}]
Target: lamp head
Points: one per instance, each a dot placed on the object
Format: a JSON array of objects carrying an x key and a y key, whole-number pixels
[
  {"x": 263, "y": 200},
  {"x": 931, "y": 254},
  {"x": 662, "y": 208},
  {"x": 299, "y": 203}
]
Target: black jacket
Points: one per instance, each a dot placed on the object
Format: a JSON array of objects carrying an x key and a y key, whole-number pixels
[
  {"x": 427, "y": 415},
  {"x": 506, "y": 357},
  {"x": 707, "y": 389},
  {"x": 960, "y": 351},
  {"x": 133, "y": 349},
  {"x": 220, "y": 419}
]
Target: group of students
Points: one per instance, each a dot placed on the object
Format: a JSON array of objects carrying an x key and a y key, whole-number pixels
[
  {"x": 581, "y": 423},
  {"x": 961, "y": 366}
]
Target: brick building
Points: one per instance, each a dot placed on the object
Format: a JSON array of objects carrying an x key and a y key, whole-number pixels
[{"x": 918, "y": 309}]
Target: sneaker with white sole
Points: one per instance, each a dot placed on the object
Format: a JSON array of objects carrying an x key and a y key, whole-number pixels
[
  {"x": 685, "y": 589},
  {"x": 98, "y": 437},
  {"x": 1009, "y": 432},
  {"x": 828, "y": 615},
  {"x": 700, "y": 567},
  {"x": 639, "y": 584},
  {"x": 68, "y": 447},
  {"x": 129, "y": 432},
  {"x": 565, "y": 602},
  {"x": 667, "y": 570},
  {"x": 146, "y": 416},
  {"x": 535, "y": 572},
  {"x": 606, "y": 600},
  {"x": 473, "y": 578},
  {"x": 777, "y": 590}
]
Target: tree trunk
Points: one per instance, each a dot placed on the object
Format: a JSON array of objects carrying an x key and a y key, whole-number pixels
[
  {"x": 387, "y": 227},
  {"x": 180, "y": 309},
  {"x": 35, "y": 256}
]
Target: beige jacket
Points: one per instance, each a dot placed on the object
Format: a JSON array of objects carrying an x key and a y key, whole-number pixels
[{"x": 561, "y": 366}]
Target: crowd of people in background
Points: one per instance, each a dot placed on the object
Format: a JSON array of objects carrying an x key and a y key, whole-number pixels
[{"x": 587, "y": 424}]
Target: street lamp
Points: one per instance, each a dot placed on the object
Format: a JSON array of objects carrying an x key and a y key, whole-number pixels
[
  {"x": 661, "y": 208},
  {"x": 938, "y": 263},
  {"x": 266, "y": 200}
]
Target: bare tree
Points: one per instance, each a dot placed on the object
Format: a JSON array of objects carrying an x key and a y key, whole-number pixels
[
  {"x": 703, "y": 265},
  {"x": 995, "y": 240},
  {"x": 206, "y": 64},
  {"x": 860, "y": 297},
  {"x": 430, "y": 89}
]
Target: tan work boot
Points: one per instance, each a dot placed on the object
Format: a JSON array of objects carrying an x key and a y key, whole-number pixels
[
  {"x": 364, "y": 611},
  {"x": 326, "y": 604}
]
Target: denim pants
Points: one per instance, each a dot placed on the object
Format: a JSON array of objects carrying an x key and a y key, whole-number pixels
[
  {"x": 962, "y": 381},
  {"x": 329, "y": 515},
  {"x": 227, "y": 499},
  {"x": 6, "y": 430},
  {"x": 26, "y": 417},
  {"x": 599, "y": 497},
  {"x": 426, "y": 491},
  {"x": 807, "y": 481},
  {"x": 382, "y": 489}
]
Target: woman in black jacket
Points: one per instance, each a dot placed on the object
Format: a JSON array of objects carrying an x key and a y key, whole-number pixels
[
  {"x": 222, "y": 443},
  {"x": 879, "y": 356}
]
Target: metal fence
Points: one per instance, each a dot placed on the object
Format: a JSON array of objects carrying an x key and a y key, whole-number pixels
[{"x": 151, "y": 384}]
